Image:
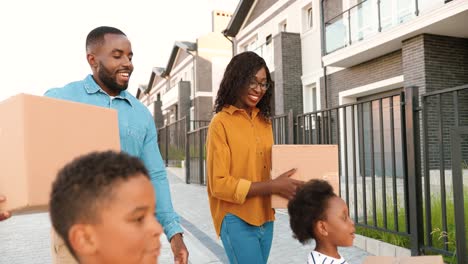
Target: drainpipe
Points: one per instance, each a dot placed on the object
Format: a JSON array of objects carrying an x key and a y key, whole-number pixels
[
  {"x": 230, "y": 40},
  {"x": 324, "y": 52}
]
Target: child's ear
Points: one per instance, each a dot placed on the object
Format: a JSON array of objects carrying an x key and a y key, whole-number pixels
[
  {"x": 321, "y": 228},
  {"x": 82, "y": 239}
]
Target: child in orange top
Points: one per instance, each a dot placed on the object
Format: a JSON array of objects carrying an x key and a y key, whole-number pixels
[
  {"x": 318, "y": 213},
  {"x": 102, "y": 205}
]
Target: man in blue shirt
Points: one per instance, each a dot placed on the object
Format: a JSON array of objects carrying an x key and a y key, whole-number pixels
[{"x": 109, "y": 53}]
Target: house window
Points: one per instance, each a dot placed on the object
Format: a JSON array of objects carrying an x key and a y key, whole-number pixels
[
  {"x": 310, "y": 21},
  {"x": 283, "y": 26},
  {"x": 268, "y": 39},
  {"x": 307, "y": 18},
  {"x": 251, "y": 45},
  {"x": 310, "y": 98}
]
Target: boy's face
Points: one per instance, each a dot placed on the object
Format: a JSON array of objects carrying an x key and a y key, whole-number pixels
[
  {"x": 339, "y": 226},
  {"x": 128, "y": 231}
]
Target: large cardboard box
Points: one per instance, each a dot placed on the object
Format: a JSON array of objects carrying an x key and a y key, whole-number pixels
[
  {"x": 404, "y": 260},
  {"x": 38, "y": 135},
  {"x": 311, "y": 161}
]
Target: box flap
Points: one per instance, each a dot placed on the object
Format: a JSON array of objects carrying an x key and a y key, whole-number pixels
[{"x": 311, "y": 161}]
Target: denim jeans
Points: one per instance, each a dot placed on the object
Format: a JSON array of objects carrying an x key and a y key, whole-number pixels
[{"x": 245, "y": 243}]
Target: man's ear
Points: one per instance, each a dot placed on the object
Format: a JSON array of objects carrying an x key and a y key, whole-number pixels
[
  {"x": 92, "y": 60},
  {"x": 83, "y": 239}
]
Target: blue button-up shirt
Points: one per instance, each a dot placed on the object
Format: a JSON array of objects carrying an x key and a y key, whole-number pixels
[{"x": 138, "y": 137}]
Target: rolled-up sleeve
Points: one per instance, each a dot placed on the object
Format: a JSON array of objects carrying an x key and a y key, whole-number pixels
[{"x": 221, "y": 184}]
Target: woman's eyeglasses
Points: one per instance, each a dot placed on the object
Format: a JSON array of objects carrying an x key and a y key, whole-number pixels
[{"x": 264, "y": 86}]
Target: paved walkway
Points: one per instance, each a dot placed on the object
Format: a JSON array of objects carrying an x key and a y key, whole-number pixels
[{"x": 26, "y": 239}]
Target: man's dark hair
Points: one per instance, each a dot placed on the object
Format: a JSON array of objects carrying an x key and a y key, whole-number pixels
[
  {"x": 84, "y": 184},
  {"x": 239, "y": 72},
  {"x": 308, "y": 207},
  {"x": 96, "y": 36}
]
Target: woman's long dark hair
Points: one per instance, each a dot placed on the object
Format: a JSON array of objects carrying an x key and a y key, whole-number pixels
[{"x": 237, "y": 76}]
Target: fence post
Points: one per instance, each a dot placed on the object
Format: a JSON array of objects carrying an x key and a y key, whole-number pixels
[
  {"x": 290, "y": 127},
  {"x": 166, "y": 144},
  {"x": 187, "y": 150},
  {"x": 457, "y": 179},
  {"x": 413, "y": 167},
  {"x": 201, "y": 160}
]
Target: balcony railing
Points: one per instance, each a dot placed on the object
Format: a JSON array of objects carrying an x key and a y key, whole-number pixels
[{"x": 371, "y": 17}]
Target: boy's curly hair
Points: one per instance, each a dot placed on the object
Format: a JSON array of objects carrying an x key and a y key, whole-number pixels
[
  {"x": 308, "y": 207},
  {"x": 85, "y": 184},
  {"x": 240, "y": 70}
]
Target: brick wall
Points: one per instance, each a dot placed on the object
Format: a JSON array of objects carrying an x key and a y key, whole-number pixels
[
  {"x": 287, "y": 74},
  {"x": 432, "y": 63},
  {"x": 375, "y": 70},
  {"x": 204, "y": 74},
  {"x": 429, "y": 62},
  {"x": 184, "y": 99},
  {"x": 158, "y": 116},
  {"x": 203, "y": 106}
]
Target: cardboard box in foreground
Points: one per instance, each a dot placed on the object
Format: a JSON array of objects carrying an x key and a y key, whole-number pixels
[
  {"x": 404, "y": 260},
  {"x": 38, "y": 135},
  {"x": 311, "y": 161}
]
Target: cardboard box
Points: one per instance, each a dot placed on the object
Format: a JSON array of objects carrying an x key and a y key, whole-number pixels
[
  {"x": 311, "y": 161},
  {"x": 38, "y": 135},
  {"x": 404, "y": 260}
]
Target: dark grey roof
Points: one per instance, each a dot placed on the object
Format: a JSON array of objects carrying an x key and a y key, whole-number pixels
[
  {"x": 242, "y": 10},
  {"x": 184, "y": 45},
  {"x": 163, "y": 72},
  {"x": 157, "y": 71}
]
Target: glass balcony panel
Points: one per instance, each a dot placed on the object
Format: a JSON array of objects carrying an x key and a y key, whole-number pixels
[
  {"x": 336, "y": 34},
  {"x": 396, "y": 12},
  {"x": 364, "y": 20},
  {"x": 266, "y": 51},
  {"x": 428, "y": 5},
  {"x": 406, "y": 10}
]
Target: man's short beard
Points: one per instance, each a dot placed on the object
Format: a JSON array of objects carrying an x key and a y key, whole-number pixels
[{"x": 106, "y": 77}]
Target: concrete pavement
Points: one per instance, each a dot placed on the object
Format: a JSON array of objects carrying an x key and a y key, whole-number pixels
[{"x": 26, "y": 238}]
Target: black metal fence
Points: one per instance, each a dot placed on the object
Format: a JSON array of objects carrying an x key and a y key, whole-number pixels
[
  {"x": 372, "y": 165},
  {"x": 444, "y": 178},
  {"x": 403, "y": 162},
  {"x": 172, "y": 140},
  {"x": 195, "y": 171},
  {"x": 283, "y": 128}
]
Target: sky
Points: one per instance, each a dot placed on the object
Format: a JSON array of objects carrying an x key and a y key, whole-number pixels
[{"x": 43, "y": 42}]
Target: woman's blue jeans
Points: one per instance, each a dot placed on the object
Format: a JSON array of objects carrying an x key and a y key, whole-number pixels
[{"x": 245, "y": 243}]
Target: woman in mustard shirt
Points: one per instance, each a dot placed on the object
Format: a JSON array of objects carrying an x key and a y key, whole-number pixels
[{"x": 238, "y": 145}]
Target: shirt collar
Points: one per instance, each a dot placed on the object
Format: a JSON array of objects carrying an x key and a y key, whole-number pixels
[
  {"x": 231, "y": 109},
  {"x": 92, "y": 87}
]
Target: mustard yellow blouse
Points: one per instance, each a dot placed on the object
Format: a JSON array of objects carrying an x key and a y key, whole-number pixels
[{"x": 238, "y": 153}]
